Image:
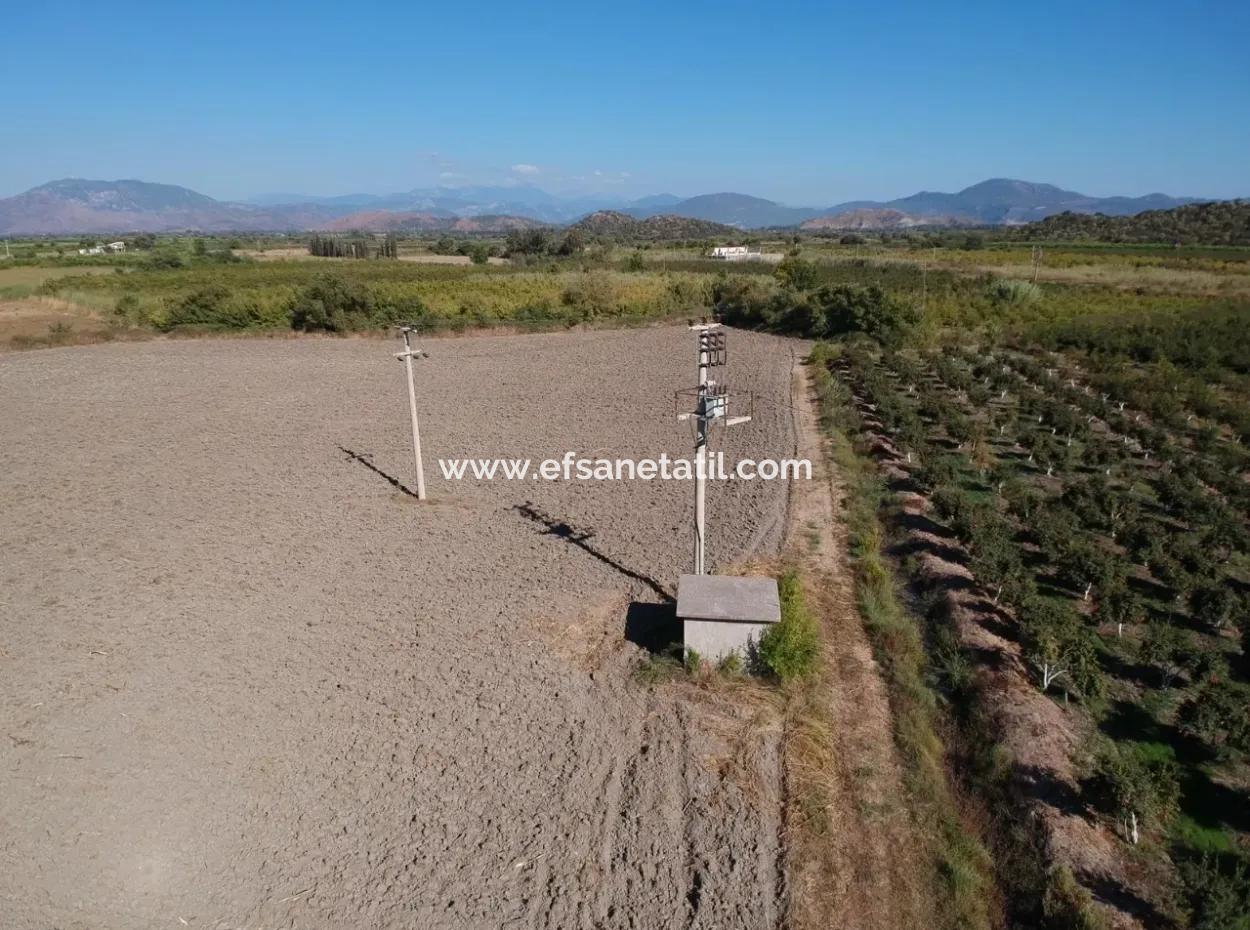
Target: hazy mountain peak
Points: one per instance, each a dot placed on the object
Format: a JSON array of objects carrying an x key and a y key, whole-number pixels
[
  {"x": 78, "y": 205},
  {"x": 127, "y": 194}
]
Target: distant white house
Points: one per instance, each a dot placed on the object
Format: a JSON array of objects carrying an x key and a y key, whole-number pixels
[
  {"x": 733, "y": 253},
  {"x": 101, "y": 249}
]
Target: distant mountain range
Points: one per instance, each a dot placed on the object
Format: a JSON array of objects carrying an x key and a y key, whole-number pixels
[
  {"x": 75, "y": 206},
  {"x": 1003, "y": 201}
]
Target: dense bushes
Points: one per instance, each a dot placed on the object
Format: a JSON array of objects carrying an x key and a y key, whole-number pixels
[
  {"x": 827, "y": 311},
  {"x": 790, "y": 647},
  {"x": 333, "y": 305},
  {"x": 263, "y": 294},
  {"x": 212, "y": 307},
  {"x": 1014, "y": 293},
  {"x": 1218, "y": 889}
]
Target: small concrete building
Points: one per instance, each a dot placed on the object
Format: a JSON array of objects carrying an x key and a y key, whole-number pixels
[{"x": 721, "y": 614}]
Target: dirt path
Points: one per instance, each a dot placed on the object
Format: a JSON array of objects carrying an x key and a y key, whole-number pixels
[{"x": 867, "y": 870}]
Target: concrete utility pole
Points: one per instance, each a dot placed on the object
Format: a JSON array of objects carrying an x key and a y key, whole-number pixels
[
  {"x": 711, "y": 404},
  {"x": 409, "y": 353}
]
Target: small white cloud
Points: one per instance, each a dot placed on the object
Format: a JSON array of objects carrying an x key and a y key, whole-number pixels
[
  {"x": 450, "y": 175},
  {"x": 525, "y": 169},
  {"x": 598, "y": 173}
]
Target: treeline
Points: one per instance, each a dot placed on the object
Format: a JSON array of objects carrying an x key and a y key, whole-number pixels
[
  {"x": 544, "y": 242},
  {"x": 1225, "y": 222},
  {"x": 477, "y": 252},
  {"x": 261, "y": 295},
  {"x": 337, "y": 247},
  {"x": 801, "y": 299}
]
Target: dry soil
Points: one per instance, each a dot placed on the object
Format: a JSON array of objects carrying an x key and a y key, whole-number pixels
[{"x": 248, "y": 681}]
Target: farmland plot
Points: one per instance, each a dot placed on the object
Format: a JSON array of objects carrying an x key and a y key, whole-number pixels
[{"x": 249, "y": 681}]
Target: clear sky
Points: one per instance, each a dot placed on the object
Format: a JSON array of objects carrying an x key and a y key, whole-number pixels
[{"x": 804, "y": 103}]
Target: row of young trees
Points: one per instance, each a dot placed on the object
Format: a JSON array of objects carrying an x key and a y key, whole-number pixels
[
  {"x": 338, "y": 247},
  {"x": 1094, "y": 538},
  {"x": 1153, "y": 412},
  {"x": 1081, "y": 536}
]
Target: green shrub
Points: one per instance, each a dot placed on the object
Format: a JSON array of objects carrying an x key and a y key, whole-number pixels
[
  {"x": 592, "y": 294},
  {"x": 1218, "y": 714},
  {"x": 203, "y": 307},
  {"x": 797, "y": 273},
  {"x": 1014, "y": 293},
  {"x": 332, "y": 304},
  {"x": 1218, "y": 893},
  {"x": 127, "y": 306},
  {"x": 849, "y": 309},
  {"x": 1066, "y": 905},
  {"x": 1135, "y": 785},
  {"x": 790, "y": 647},
  {"x": 692, "y": 660},
  {"x": 1218, "y": 889}
]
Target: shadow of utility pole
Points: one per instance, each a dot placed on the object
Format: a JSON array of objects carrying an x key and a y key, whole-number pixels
[
  {"x": 364, "y": 460},
  {"x": 571, "y": 534}
]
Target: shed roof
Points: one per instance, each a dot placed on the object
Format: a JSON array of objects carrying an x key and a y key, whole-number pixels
[{"x": 728, "y": 598}]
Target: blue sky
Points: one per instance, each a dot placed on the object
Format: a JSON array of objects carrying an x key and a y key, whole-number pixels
[{"x": 803, "y": 103}]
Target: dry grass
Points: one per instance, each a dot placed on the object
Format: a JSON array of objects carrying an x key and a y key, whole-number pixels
[
  {"x": 300, "y": 254},
  {"x": 23, "y": 280},
  {"x": 43, "y": 322},
  {"x": 1123, "y": 277}
]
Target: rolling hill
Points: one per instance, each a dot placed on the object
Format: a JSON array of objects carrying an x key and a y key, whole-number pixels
[
  {"x": 868, "y": 218},
  {"x": 1004, "y": 201},
  {"x": 613, "y": 224},
  {"x": 740, "y": 210},
  {"x": 1219, "y": 223},
  {"x": 75, "y": 206},
  {"x": 994, "y": 202},
  {"x": 393, "y": 221}
]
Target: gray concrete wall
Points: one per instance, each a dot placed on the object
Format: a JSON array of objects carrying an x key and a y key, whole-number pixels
[{"x": 715, "y": 639}]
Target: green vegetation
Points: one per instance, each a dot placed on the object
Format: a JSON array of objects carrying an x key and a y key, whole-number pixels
[
  {"x": 963, "y": 868},
  {"x": 359, "y": 247},
  {"x": 272, "y": 295},
  {"x": 1221, "y": 223},
  {"x": 1066, "y": 905},
  {"x": 790, "y": 647},
  {"x": 1108, "y": 518}
]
